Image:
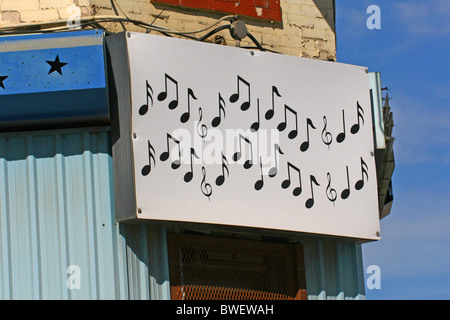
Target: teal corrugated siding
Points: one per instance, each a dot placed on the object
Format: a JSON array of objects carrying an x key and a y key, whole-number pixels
[
  {"x": 334, "y": 270},
  {"x": 57, "y": 210}
]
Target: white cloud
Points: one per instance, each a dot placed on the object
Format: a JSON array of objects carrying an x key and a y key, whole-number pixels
[
  {"x": 425, "y": 17},
  {"x": 421, "y": 129}
]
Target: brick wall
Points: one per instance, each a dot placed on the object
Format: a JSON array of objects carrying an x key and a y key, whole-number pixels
[
  {"x": 306, "y": 28},
  {"x": 33, "y": 11}
]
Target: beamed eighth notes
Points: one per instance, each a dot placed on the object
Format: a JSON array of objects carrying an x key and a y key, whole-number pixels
[{"x": 170, "y": 98}]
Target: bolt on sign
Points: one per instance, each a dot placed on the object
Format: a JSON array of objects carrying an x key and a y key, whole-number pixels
[{"x": 228, "y": 136}]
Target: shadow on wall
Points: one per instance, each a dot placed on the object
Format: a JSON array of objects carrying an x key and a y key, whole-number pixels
[
  {"x": 15, "y": 146},
  {"x": 147, "y": 261}
]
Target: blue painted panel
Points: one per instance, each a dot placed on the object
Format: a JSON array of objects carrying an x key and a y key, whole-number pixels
[
  {"x": 51, "y": 107},
  {"x": 56, "y": 35},
  {"x": 28, "y": 71},
  {"x": 53, "y": 76}
]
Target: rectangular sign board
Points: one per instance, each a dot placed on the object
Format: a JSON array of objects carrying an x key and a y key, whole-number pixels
[{"x": 229, "y": 136}]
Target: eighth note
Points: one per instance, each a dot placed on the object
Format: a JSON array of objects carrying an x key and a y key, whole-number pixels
[
  {"x": 238, "y": 154},
  {"x": 293, "y": 133},
  {"x": 190, "y": 174},
  {"x": 163, "y": 95},
  {"x": 144, "y": 108},
  {"x": 185, "y": 116},
  {"x": 286, "y": 183},
  {"x": 235, "y": 97},
  {"x": 274, "y": 170},
  {"x": 269, "y": 113},
  {"x": 360, "y": 183},
  {"x": 305, "y": 145},
  {"x": 165, "y": 155},
  {"x": 310, "y": 202},
  {"x": 360, "y": 113},
  {"x": 221, "y": 179},
  {"x": 216, "y": 121},
  {"x": 151, "y": 156}
]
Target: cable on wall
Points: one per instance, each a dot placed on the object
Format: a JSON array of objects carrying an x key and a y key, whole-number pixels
[{"x": 236, "y": 27}]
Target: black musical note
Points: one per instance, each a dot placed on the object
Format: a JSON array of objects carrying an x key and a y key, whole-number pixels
[
  {"x": 341, "y": 136},
  {"x": 269, "y": 113},
  {"x": 216, "y": 121},
  {"x": 238, "y": 154},
  {"x": 151, "y": 156},
  {"x": 310, "y": 202},
  {"x": 360, "y": 183},
  {"x": 144, "y": 108},
  {"x": 189, "y": 175},
  {"x": 360, "y": 114},
  {"x": 202, "y": 130},
  {"x": 286, "y": 183},
  {"x": 205, "y": 187},
  {"x": 274, "y": 170},
  {"x": 255, "y": 125},
  {"x": 221, "y": 179},
  {"x": 260, "y": 183},
  {"x": 163, "y": 95},
  {"x": 235, "y": 97},
  {"x": 331, "y": 193},
  {"x": 283, "y": 124},
  {"x": 346, "y": 192},
  {"x": 305, "y": 145},
  {"x": 327, "y": 138},
  {"x": 185, "y": 116},
  {"x": 165, "y": 155}
]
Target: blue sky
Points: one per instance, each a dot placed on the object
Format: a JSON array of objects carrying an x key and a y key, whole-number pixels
[{"x": 411, "y": 50}]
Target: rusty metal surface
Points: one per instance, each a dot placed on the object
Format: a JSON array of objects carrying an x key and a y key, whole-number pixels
[{"x": 210, "y": 268}]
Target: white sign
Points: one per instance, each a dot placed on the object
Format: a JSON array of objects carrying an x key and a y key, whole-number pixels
[{"x": 229, "y": 136}]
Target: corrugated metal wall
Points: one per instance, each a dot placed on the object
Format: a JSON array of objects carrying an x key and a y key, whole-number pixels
[
  {"x": 57, "y": 210},
  {"x": 334, "y": 270}
]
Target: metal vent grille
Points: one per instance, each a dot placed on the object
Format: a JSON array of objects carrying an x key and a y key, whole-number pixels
[{"x": 211, "y": 268}]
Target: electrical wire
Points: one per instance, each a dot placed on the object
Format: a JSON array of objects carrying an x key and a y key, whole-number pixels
[
  {"x": 63, "y": 24},
  {"x": 209, "y": 34},
  {"x": 94, "y": 21},
  {"x": 230, "y": 17},
  {"x": 260, "y": 47}
]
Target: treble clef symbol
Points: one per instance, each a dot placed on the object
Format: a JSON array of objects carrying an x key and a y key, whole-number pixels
[
  {"x": 202, "y": 130},
  {"x": 205, "y": 187},
  {"x": 327, "y": 138},
  {"x": 331, "y": 193}
]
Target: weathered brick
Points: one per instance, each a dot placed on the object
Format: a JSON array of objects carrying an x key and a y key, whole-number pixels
[
  {"x": 48, "y": 4},
  {"x": 10, "y": 17},
  {"x": 314, "y": 33},
  {"x": 83, "y": 3},
  {"x": 39, "y": 15},
  {"x": 306, "y": 29},
  {"x": 15, "y": 5},
  {"x": 68, "y": 12}
]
